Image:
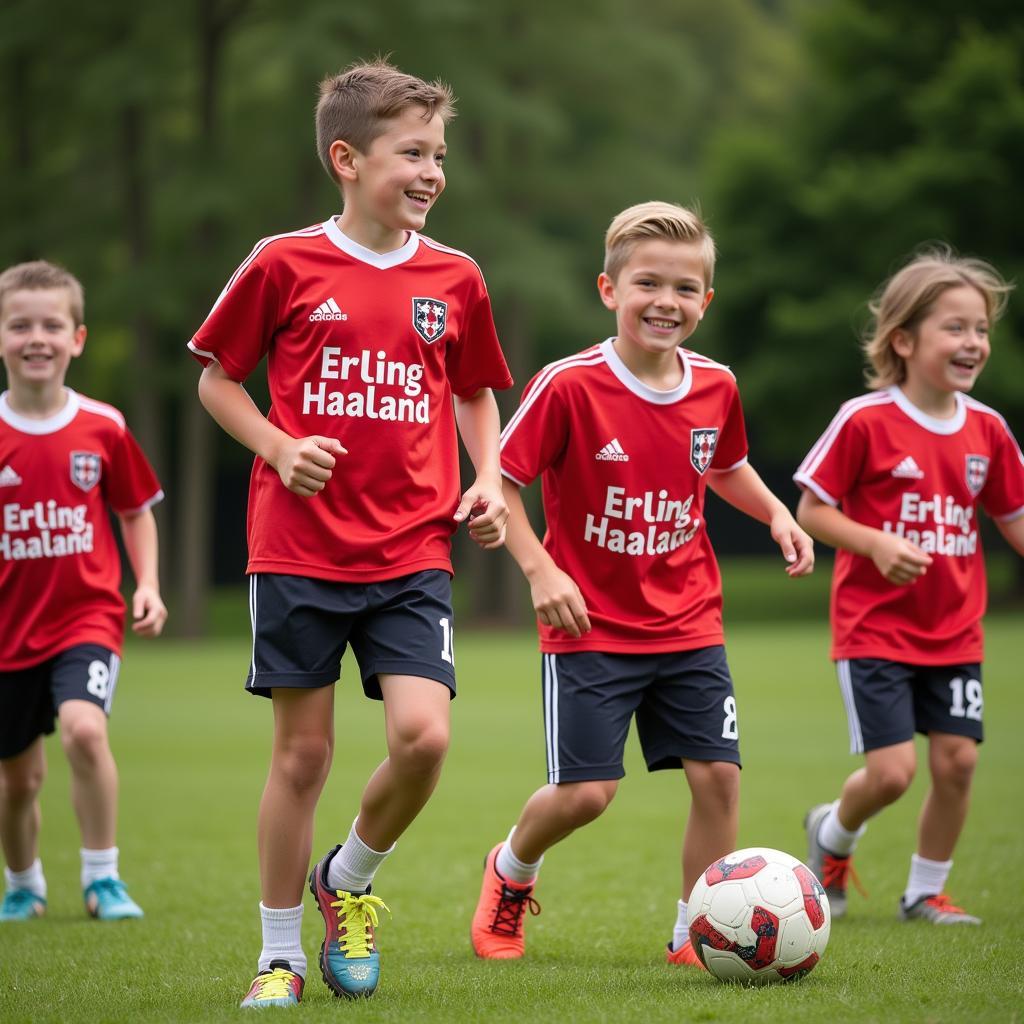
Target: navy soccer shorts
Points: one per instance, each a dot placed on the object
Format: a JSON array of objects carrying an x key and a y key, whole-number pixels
[
  {"x": 888, "y": 701},
  {"x": 683, "y": 702},
  {"x": 30, "y": 697},
  {"x": 302, "y": 626}
]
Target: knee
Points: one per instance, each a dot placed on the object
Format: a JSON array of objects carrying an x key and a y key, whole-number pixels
[
  {"x": 85, "y": 739},
  {"x": 956, "y": 767},
  {"x": 21, "y": 787},
  {"x": 892, "y": 781},
  {"x": 715, "y": 784},
  {"x": 585, "y": 801},
  {"x": 302, "y": 762},
  {"x": 420, "y": 750}
]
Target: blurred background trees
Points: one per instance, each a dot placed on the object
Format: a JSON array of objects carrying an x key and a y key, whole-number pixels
[{"x": 148, "y": 147}]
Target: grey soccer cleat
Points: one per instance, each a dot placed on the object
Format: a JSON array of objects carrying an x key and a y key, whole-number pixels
[
  {"x": 936, "y": 909},
  {"x": 830, "y": 870}
]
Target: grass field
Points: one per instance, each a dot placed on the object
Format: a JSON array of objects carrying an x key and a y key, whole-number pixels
[{"x": 192, "y": 748}]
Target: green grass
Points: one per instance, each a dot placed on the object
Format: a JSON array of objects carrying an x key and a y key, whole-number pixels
[{"x": 192, "y": 749}]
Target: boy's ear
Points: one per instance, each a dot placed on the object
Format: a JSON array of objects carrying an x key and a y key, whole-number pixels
[
  {"x": 902, "y": 343},
  {"x": 707, "y": 302},
  {"x": 606, "y": 289},
  {"x": 79, "y": 342},
  {"x": 343, "y": 160}
]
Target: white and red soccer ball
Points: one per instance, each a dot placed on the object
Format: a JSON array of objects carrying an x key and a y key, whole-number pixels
[{"x": 758, "y": 916}]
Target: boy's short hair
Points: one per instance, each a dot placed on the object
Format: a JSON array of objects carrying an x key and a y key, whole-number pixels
[
  {"x": 355, "y": 104},
  {"x": 656, "y": 220},
  {"x": 909, "y": 296},
  {"x": 38, "y": 275}
]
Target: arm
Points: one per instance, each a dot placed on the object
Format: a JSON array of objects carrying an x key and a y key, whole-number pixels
[
  {"x": 745, "y": 490},
  {"x": 483, "y": 503},
  {"x": 896, "y": 558},
  {"x": 138, "y": 530},
  {"x": 304, "y": 464},
  {"x": 556, "y": 598},
  {"x": 1013, "y": 531}
]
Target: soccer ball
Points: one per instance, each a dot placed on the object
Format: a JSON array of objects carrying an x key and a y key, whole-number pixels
[{"x": 758, "y": 916}]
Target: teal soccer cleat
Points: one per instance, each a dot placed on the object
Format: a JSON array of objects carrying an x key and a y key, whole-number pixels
[
  {"x": 107, "y": 899},
  {"x": 22, "y": 905}
]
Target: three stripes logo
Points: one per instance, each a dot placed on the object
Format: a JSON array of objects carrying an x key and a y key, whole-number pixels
[
  {"x": 612, "y": 452},
  {"x": 328, "y": 310},
  {"x": 908, "y": 469},
  {"x": 8, "y": 477}
]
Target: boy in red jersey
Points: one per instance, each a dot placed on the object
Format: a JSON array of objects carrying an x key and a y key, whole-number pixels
[
  {"x": 370, "y": 331},
  {"x": 65, "y": 461},
  {"x": 895, "y": 484},
  {"x": 627, "y": 435}
]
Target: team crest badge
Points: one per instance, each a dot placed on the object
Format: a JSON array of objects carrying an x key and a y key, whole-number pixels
[
  {"x": 977, "y": 473},
  {"x": 85, "y": 470},
  {"x": 430, "y": 318},
  {"x": 702, "y": 447}
]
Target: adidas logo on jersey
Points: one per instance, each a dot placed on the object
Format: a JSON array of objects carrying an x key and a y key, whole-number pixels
[
  {"x": 8, "y": 478},
  {"x": 612, "y": 452},
  {"x": 908, "y": 469},
  {"x": 328, "y": 310}
]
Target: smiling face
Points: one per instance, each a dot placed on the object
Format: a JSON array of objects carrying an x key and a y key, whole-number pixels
[
  {"x": 947, "y": 350},
  {"x": 390, "y": 189},
  {"x": 659, "y": 297},
  {"x": 38, "y": 339}
]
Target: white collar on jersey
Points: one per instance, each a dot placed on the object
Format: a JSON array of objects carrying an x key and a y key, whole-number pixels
[
  {"x": 936, "y": 426},
  {"x": 637, "y": 386},
  {"x": 48, "y": 426},
  {"x": 380, "y": 260}
]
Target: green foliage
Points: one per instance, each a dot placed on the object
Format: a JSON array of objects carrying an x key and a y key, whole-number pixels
[{"x": 193, "y": 749}]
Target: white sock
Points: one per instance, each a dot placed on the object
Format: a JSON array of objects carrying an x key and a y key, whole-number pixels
[
  {"x": 31, "y": 878},
  {"x": 354, "y": 865},
  {"x": 282, "y": 937},
  {"x": 510, "y": 867},
  {"x": 834, "y": 837},
  {"x": 97, "y": 864},
  {"x": 681, "y": 932},
  {"x": 927, "y": 878}
]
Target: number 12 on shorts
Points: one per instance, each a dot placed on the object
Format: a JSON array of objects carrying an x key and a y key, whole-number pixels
[
  {"x": 447, "y": 641},
  {"x": 971, "y": 690}
]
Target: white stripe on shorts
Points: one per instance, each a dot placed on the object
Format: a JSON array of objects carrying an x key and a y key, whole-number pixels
[
  {"x": 252, "y": 621},
  {"x": 852, "y": 719},
  {"x": 112, "y": 672},
  {"x": 551, "y": 716}
]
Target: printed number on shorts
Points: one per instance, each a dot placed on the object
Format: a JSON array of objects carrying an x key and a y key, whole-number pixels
[
  {"x": 967, "y": 699},
  {"x": 447, "y": 653},
  {"x": 730, "y": 727},
  {"x": 99, "y": 679}
]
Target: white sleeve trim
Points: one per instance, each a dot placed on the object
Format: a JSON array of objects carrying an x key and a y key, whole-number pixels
[
  {"x": 145, "y": 506},
  {"x": 732, "y": 468},
  {"x": 805, "y": 480},
  {"x": 1010, "y": 516},
  {"x": 518, "y": 483}
]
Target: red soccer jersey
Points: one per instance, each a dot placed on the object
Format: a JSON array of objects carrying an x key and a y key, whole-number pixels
[
  {"x": 890, "y": 466},
  {"x": 367, "y": 348},
  {"x": 60, "y": 571},
  {"x": 624, "y": 471}
]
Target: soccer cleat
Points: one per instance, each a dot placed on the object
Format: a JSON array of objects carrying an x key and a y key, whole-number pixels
[
  {"x": 830, "y": 870},
  {"x": 279, "y": 985},
  {"x": 349, "y": 961},
  {"x": 937, "y": 909},
  {"x": 22, "y": 905},
  {"x": 497, "y": 929},
  {"x": 107, "y": 899},
  {"x": 684, "y": 955}
]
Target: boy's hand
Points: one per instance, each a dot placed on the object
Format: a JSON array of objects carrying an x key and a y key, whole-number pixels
[
  {"x": 484, "y": 506},
  {"x": 796, "y": 545},
  {"x": 148, "y": 611},
  {"x": 898, "y": 560},
  {"x": 558, "y": 601},
  {"x": 305, "y": 464}
]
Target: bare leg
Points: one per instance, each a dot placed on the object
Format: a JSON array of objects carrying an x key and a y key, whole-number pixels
[
  {"x": 417, "y": 724},
  {"x": 301, "y": 759},
  {"x": 952, "y": 760},
  {"x": 21, "y": 778},
  {"x": 713, "y": 823},
  {"x": 83, "y": 734},
  {"x": 885, "y": 777},
  {"x": 555, "y": 811}
]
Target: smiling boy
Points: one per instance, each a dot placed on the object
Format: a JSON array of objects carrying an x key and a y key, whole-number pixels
[
  {"x": 373, "y": 335},
  {"x": 627, "y": 436}
]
